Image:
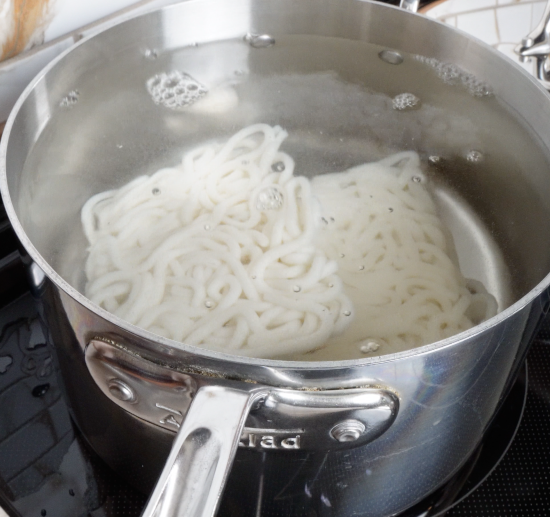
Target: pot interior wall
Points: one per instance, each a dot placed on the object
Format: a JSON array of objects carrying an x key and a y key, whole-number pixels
[{"x": 90, "y": 123}]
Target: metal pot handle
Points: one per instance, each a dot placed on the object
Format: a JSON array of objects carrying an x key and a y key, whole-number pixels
[
  {"x": 193, "y": 478},
  {"x": 195, "y": 473},
  {"x": 210, "y": 415}
]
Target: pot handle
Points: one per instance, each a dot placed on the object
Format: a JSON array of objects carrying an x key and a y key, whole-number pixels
[
  {"x": 211, "y": 421},
  {"x": 195, "y": 473}
]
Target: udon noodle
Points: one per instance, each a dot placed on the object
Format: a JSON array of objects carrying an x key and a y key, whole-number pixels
[
  {"x": 218, "y": 252},
  {"x": 231, "y": 251},
  {"x": 395, "y": 259}
]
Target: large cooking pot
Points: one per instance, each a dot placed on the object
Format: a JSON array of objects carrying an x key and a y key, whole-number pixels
[{"x": 365, "y": 437}]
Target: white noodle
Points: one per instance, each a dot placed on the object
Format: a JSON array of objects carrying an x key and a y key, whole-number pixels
[
  {"x": 382, "y": 227},
  {"x": 226, "y": 253},
  {"x": 218, "y": 252}
]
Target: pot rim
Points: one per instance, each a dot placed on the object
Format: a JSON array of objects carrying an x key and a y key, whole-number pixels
[{"x": 221, "y": 357}]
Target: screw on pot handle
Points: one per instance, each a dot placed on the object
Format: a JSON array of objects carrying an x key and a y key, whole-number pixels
[{"x": 194, "y": 475}]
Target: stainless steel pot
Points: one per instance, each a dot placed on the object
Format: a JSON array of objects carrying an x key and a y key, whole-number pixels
[{"x": 395, "y": 426}]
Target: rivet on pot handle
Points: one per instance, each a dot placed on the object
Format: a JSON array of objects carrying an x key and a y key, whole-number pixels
[{"x": 214, "y": 416}]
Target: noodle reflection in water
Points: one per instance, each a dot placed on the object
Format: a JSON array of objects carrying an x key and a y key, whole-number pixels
[{"x": 230, "y": 251}]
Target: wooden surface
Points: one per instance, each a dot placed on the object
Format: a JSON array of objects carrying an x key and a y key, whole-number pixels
[{"x": 21, "y": 26}]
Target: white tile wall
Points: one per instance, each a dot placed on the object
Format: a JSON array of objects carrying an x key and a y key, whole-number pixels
[
  {"x": 460, "y": 6},
  {"x": 538, "y": 10},
  {"x": 514, "y": 21},
  {"x": 494, "y": 21},
  {"x": 482, "y": 24},
  {"x": 470, "y": 5},
  {"x": 500, "y": 23},
  {"x": 451, "y": 20}
]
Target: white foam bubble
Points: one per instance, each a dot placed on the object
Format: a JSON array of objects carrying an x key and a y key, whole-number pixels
[
  {"x": 368, "y": 345},
  {"x": 474, "y": 156},
  {"x": 270, "y": 198},
  {"x": 454, "y": 76},
  {"x": 406, "y": 102},
  {"x": 175, "y": 89},
  {"x": 70, "y": 99}
]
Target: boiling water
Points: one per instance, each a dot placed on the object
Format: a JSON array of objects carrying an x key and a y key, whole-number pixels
[{"x": 342, "y": 102}]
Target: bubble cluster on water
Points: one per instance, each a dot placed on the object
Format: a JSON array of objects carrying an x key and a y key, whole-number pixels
[
  {"x": 455, "y": 76},
  {"x": 474, "y": 156},
  {"x": 70, "y": 99},
  {"x": 175, "y": 89},
  {"x": 406, "y": 102},
  {"x": 368, "y": 345},
  {"x": 269, "y": 198},
  {"x": 434, "y": 159},
  {"x": 259, "y": 40},
  {"x": 450, "y": 74}
]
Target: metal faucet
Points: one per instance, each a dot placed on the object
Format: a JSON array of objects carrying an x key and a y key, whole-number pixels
[
  {"x": 409, "y": 5},
  {"x": 537, "y": 45}
]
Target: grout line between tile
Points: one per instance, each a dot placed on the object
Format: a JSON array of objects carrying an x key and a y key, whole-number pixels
[{"x": 494, "y": 8}]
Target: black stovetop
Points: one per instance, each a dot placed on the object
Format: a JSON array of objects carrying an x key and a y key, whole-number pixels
[{"x": 47, "y": 468}]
